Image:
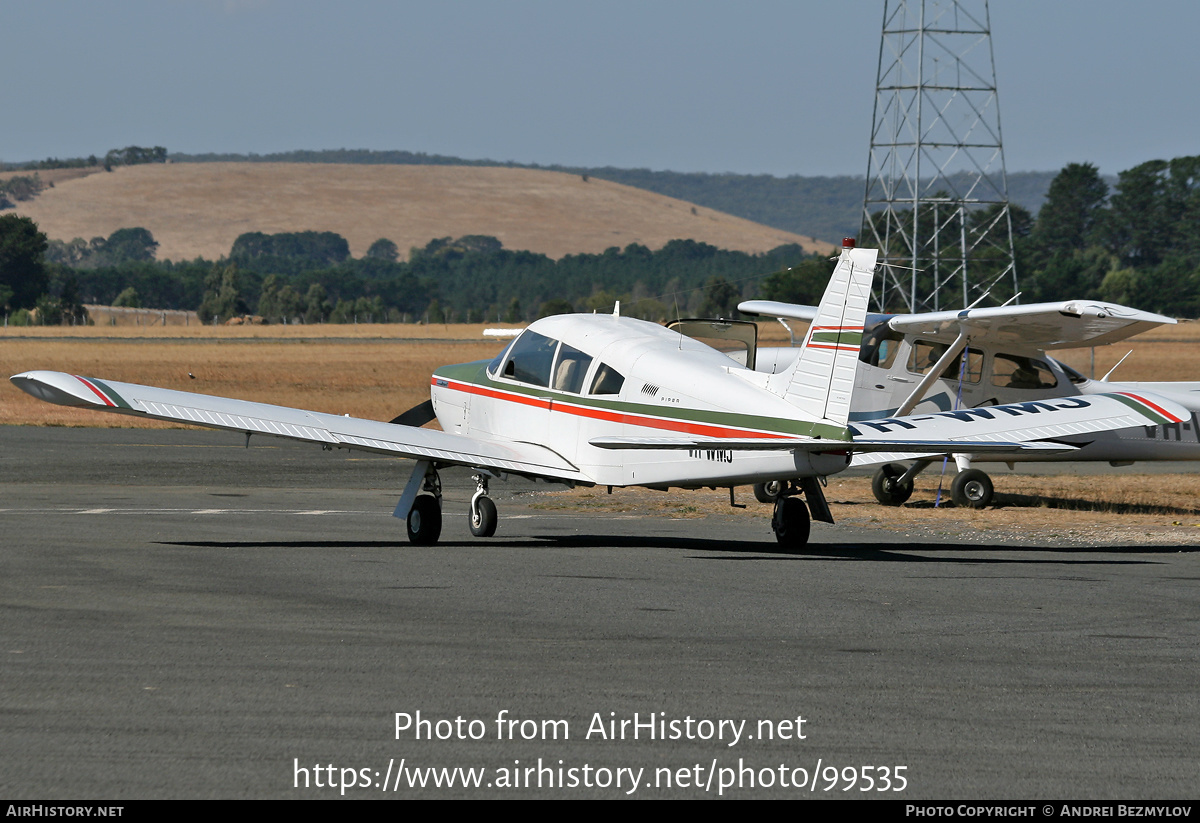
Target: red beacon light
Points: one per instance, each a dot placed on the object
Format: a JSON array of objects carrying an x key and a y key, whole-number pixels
[{"x": 847, "y": 242}]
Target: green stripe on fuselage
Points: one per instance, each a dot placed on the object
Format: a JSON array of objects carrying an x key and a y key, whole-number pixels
[{"x": 476, "y": 374}]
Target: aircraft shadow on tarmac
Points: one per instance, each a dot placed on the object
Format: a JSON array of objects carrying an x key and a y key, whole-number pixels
[{"x": 746, "y": 550}]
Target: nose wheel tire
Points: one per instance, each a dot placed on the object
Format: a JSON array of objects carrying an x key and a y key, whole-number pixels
[
  {"x": 887, "y": 488},
  {"x": 791, "y": 522},
  {"x": 972, "y": 489},
  {"x": 425, "y": 521},
  {"x": 483, "y": 517}
]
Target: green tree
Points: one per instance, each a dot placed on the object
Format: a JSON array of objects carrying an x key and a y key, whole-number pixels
[
  {"x": 70, "y": 304},
  {"x": 49, "y": 311},
  {"x": 22, "y": 266},
  {"x": 720, "y": 298},
  {"x": 384, "y": 249},
  {"x": 222, "y": 295},
  {"x": 129, "y": 245},
  {"x": 1139, "y": 224},
  {"x": 128, "y": 298},
  {"x": 317, "y": 307},
  {"x": 803, "y": 283},
  {"x": 555, "y": 306},
  {"x": 1074, "y": 210}
]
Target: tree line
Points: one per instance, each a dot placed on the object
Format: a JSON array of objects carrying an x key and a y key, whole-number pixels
[
  {"x": 1136, "y": 242},
  {"x": 310, "y": 277}
]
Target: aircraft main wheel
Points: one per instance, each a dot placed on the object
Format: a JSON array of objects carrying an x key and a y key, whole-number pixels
[
  {"x": 886, "y": 486},
  {"x": 483, "y": 517},
  {"x": 768, "y": 492},
  {"x": 972, "y": 488},
  {"x": 791, "y": 522},
  {"x": 425, "y": 521}
]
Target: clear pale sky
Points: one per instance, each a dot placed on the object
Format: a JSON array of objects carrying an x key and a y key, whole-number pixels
[{"x": 758, "y": 86}]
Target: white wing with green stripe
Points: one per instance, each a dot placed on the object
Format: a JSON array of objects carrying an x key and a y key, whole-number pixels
[{"x": 294, "y": 424}]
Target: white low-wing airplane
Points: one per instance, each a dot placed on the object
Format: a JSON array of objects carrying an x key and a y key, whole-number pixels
[
  {"x": 965, "y": 362},
  {"x": 612, "y": 401}
]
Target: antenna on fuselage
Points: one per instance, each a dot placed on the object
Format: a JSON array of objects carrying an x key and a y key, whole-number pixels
[
  {"x": 617, "y": 309},
  {"x": 1104, "y": 379}
]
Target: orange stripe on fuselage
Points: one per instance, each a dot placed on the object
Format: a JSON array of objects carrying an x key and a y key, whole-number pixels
[{"x": 685, "y": 426}]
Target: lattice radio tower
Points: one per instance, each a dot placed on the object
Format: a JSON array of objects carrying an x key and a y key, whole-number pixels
[{"x": 936, "y": 200}]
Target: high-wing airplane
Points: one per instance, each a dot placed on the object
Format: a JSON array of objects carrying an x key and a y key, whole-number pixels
[
  {"x": 605, "y": 400},
  {"x": 965, "y": 362}
]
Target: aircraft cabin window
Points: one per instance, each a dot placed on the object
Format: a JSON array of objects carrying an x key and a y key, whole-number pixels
[
  {"x": 924, "y": 356},
  {"x": 972, "y": 372},
  {"x": 1015, "y": 372},
  {"x": 570, "y": 369},
  {"x": 530, "y": 359},
  {"x": 494, "y": 367},
  {"x": 880, "y": 346},
  {"x": 607, "y": 381}
]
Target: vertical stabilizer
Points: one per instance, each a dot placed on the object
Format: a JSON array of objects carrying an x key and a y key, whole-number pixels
[{"x": 823, "y": 378}]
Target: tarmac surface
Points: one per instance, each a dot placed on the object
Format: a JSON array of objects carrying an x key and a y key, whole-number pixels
[{"x": 182, "y": 617}]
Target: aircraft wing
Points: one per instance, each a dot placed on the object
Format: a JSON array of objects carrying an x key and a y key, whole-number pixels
[
  {"x": 1066, "y": 325},
  {"x": 329, "y": 430},
  {"x": 991, "y": 429},
  {"x": 918, "y": 447}
]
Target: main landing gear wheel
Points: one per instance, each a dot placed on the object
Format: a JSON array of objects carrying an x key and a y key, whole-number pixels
[
  {"x": 425, "y": 521},
  {"x": 972, "y": 488},
  {"x": 483, "y": 517},
  {"x": 887, "y": 488},
  {"x": 768, "y": 492},
  {"x": 791, "y": 522}
]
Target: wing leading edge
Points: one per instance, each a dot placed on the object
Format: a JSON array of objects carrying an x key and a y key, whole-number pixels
[{"x": 294, "y": 424}]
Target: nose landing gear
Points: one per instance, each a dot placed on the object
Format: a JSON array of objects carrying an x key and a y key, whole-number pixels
[{"x": 483, "y": 510}]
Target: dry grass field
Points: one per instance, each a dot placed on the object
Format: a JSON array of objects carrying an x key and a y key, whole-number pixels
[{"x": 199, "y": 209}]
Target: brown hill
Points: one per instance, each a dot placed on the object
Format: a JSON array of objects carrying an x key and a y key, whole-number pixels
[{"x": 199, "y": 209}]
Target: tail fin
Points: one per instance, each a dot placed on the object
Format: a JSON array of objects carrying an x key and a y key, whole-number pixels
[{"x": 823, "y": 378}]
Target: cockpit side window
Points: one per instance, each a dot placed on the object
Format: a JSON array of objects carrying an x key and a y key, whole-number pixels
[
  {"x": 530, "y": 359},
  {"x": 570, "y": 369},
  {"x": 607, "y": 381},
  {"x": 880, "y": 345},
  {"x": 971, "y": 370},
  {"x": 1015, "y": 372},
  {"x": 494, "y": 367},
  {"x": 924, "y": 356}
]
